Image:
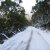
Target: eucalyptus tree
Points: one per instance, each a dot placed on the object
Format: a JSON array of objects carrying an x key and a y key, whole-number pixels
[
  {"x": 12, "y": 17},
  {"x": 41, "y": 12}
]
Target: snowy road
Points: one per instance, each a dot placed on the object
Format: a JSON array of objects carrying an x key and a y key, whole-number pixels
[{"x": 30, "y": 39}]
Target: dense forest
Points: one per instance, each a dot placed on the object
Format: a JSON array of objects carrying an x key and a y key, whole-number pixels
[
  {"x": 41, "y": 14},
  {"x": 12, "y": 19}
]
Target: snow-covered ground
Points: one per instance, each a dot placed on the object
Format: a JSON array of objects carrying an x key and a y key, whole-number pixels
[{"x": 30, "y": 39}]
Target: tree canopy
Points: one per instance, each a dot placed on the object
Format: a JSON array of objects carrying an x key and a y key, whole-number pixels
[
  {"x": 12, "y": 18},
  {"x": 41, "y": 13}
]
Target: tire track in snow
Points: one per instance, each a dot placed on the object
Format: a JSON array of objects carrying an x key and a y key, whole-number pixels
[
  {"x": 43, "y": 38},
  {"x": 29, "y": 41}
]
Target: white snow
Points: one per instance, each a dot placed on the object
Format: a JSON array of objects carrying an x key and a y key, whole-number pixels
[{"x": 30, "y": 39}]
